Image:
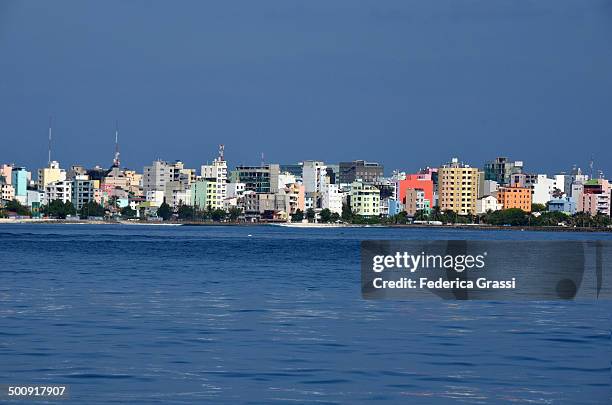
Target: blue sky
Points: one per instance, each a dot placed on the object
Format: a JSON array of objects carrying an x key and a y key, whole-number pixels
[{"x": 407, "y": 83}]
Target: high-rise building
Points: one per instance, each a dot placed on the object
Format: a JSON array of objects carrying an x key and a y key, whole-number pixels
[
  {"x": 260, "y": 179},
  {"x": 458, "y": 187},
  {"x": 314, "y": 176},
  {"x": 501, "y": 169},
  {"x": 364, "y": 199},
  {"x": 83, "y": 191},
  {"x": 217, "y": 171},
  {"x": 368, "y": 172},
  {"x": 20, "y": 181},
  {"x": 52, "y": 173},
  {"x": 160, "y": 172}
]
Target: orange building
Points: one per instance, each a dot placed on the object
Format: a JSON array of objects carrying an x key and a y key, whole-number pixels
[
  {"x": 416, "y": 181},
  {"x": 515, "y": 197}
]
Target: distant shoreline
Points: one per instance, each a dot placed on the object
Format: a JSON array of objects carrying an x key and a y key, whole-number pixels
[{"x": 307, "y": 225}]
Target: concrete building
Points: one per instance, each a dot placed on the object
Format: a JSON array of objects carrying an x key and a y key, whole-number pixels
[
  {"x": 285, "y": 178},
  {"x": 204, "y": 194},
  {"x": 515, "y": 197},
  {"x": 50, "y": 174},
  {"x": 20, "y": 179},
  {"x": 6, "y": 173},
  {"x": 486, "y": 204},
  {"x": 332, "y": 198},
  {"x": 458, "y": 187},
  {"x": 260, "y": 179},
  {"x": 595, "y": 197},
  {"x": 501, "y": 169},
  {"x": 565, "y": 204},
  {"x": 368, "y": 172},
  {"x": 7, "y": 191},
  {"x": 217, "y": 171},
  {"x": 294, "y": 169},
  {"x": 417, "y": 181},
  {"x": 83, "y": 191},
  {"x": 545, "y": 189},
  {"x": 487, "y": 188},
  {"x": 160, "y": 172},
  {"x": 314, "y": 176},
  {"x": 58, "y": 190},
  {"x": 415, "y": 200},
  {"x": 235, "y": 190},
  {"x": 364, "y": 199}
]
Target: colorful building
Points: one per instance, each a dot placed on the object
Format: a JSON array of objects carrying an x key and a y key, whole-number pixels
[
  {"x": 458, "y": 187},
  {"x": 515, "y": 197}
]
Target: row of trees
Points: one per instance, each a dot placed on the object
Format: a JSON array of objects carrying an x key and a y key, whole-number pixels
[{"x": 189, "y": 213}]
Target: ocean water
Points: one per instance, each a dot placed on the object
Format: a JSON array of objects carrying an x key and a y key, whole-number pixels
[{"x": 264, "y": 314}]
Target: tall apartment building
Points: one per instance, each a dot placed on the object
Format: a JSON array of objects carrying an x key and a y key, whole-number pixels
[
  {"x": 314, "y": 176},
  {"x": 217, "y": 171},
  {"x": 332, "y": 198},
  {"x": 156, "y": 176},
  {"x": 50, "y": 174},
  {"x": 204, "y": 194},
  {"x": 58, "y": 190},
  {"x": 20, "y": 179},
  {"x": 364, "y": 199},
  {"x": 368, "y": 172},
  {"x": 83, "y": 191},
  {"x": 458, "y": 187},
  {"x": 515, "y": 197},
  {"x": 260, "y": 179},
  {"x": 501, "y": 169}
]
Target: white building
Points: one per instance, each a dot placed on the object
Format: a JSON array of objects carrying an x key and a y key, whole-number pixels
[
  {"x": 218, "y": 172},
  {"x": 235, "y": 189},
  {"x": 314, "y": 176},
  {"x": 58, "y": 190},
  {"x": 486, "y": 204},
  {"x": 544, "y": 187},
  {"x": 155, "y": 197},
  {"x": 284, "y": 179},
  {"x": 332, "y": 198}
]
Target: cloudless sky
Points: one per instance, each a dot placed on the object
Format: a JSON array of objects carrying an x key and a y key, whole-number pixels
[{"x": 407, "y": 83}]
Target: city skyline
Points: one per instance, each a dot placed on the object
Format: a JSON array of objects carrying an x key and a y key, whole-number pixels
[{"x": 406, "y": 81}]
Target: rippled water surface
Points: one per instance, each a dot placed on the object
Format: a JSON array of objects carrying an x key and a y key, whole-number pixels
[{"x": 265, "y": 314}]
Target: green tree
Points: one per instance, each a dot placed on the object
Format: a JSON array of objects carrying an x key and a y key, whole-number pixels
[
  {"x": 335, "y": 217},
  {"x": 310, "y": 214},
  {"x": 234, "y": 214},
  {"x": 298, "y": 216},
  {"x": 164, "y": 212},
  {"x": 538, "y": 207},
  {"x": 218, "y": 214},
  {"x": 91, "y": 209},
  {"x": 128, "y": 212},
  {"x": 185, "y": 212},
  {"x": 347, "y": 214},
  {"x": 511, "y": 216},
  {"x": 16, "y": 207},
  {"x": 59, "y": 209},
  {"x": 326, "y": 215}
]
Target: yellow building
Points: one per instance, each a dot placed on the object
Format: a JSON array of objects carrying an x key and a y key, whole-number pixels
[
  {"x": 458, "y": 188},
  {"x": 204, "y": 194},
  {"x": 50, "y": 174},
  {"x": 365, "y": 199}
]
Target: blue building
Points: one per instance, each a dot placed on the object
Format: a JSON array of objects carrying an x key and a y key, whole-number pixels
[
  {"x": 20, "y": 181},
  {"x": 395, "y": 207},
  {"x": 565, "y": 204}
]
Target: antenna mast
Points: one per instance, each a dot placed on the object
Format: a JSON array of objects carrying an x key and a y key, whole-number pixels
[
  {"x": 49, "y": 146},
  {"x": 116, "y": 162}
]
